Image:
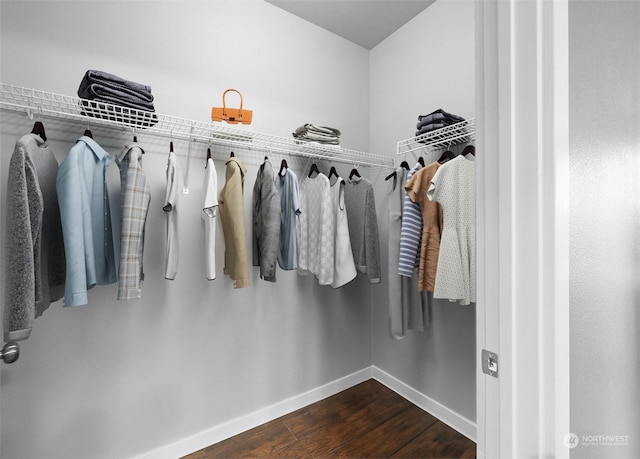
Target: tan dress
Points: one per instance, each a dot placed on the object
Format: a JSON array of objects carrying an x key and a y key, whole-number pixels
[{"x": 432, "y": 225}]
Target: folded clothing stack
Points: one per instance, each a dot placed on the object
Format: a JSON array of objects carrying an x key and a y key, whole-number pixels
[
  {"x": 436, "y": 120},
  {"x": 133, "y": 101},
  {"x": 320, "y": 134}
]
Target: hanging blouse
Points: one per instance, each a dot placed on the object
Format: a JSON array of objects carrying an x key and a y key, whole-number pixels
[
  {"x": 363, "y": 227},
  {"x": 85, "y": 215},
  {"x": 410, "y": 232},
  {"x": 454, "y": 186},
  {"x": 170, "y": 209},
  {"x": 208, "y": 215},
  {"x": 316, "y": 230},
  {"x": 136, "y": 196},
  {"x": 287, "y": 186},
  {"x": 432, "y": 223},
  {"x": 344, "y": 266}
]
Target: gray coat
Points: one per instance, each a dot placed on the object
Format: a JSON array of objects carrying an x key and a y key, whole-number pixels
[
  {"x": 266, "y": 222},
  {"x": 35, "y": 263}
]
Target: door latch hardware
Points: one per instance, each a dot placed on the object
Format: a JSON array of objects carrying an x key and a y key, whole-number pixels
[{"x": 490, "y": 363}]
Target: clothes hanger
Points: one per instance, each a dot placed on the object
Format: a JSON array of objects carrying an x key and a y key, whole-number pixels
[
  {"x": 283, "y": 167},
  {"x": 446, "y": 156},
  {"x": 332, "y": 172},
  {"x": 469, "y": 149},
  {"x": 393, "y": 174},
  {"x": 208, "y": 153},
  {"x": 232, "y": 155},
  {"x": 313, "y": 169},
  {"x": 421, "y": 161},
  {"x": 38, "y": 129},
  {"x": 135, "y": 137},
  {"x": 405, "y": 165},
  {"x": 88, "y": 133},
  {"x": 171, "y": 147},
  {"x": 355, "y": 172}
]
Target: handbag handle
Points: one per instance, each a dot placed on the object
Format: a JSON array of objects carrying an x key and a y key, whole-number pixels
[{"x": 224, "y": 95}]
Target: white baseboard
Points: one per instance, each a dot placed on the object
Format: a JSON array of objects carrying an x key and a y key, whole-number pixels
[
  {"x": 454, "y": 420},
  {"x": 243, "y": 423}
]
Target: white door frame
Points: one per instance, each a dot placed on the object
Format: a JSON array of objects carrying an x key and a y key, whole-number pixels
[{"x": 523, "y": 226}]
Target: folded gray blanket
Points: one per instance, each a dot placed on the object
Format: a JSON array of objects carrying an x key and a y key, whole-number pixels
[
  {"x": 320, "y": 130},
  {"x": 438, "y": 116},
  {"x": 111, "y": 89},
  {"x": 431, "y": 127},
  {"x": 319, "y": 139}
]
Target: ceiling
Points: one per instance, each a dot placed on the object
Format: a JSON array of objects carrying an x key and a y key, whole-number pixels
[{"x": 364, "y": 22}]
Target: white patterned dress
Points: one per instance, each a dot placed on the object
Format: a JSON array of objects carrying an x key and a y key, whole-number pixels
[
  {"x": 316, "y": 229},
  {"x": 454, "y": 187}
]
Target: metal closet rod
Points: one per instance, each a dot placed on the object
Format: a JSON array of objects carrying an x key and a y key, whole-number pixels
[{"x": 37, "y": 103}]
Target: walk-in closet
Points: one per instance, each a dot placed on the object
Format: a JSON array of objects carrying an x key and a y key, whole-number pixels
[
  {"x": 202, "y": 348},
  {"x": 193, "y": 360}
]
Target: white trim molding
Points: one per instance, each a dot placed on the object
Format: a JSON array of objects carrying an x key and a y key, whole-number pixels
[
  {"x": 453, "y": 419},
  {"x": 523, "y": 226},
  {"x": 241, "y": 424}
]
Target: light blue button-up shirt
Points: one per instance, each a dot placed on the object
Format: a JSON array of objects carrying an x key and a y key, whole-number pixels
[{"x": 86, "y": 220}]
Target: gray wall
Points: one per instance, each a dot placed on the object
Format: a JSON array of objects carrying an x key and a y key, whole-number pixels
[
  {"x": 604, "y": 50},
  {"x": 422, "y": 67},
  {"x": 115, "y": 379}
]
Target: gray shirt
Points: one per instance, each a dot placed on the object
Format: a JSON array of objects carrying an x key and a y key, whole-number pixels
[
  {"x": 287, "y": 187},
  {"x": 363, "y": 226}
]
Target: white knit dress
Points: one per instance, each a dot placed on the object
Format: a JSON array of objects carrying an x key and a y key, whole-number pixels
[
  {"x": 454, "y": 187},
  {"x": 344, "y": 266}
]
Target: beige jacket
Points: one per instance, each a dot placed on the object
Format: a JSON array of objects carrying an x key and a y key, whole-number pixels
[{"x": 231, "y": 206}]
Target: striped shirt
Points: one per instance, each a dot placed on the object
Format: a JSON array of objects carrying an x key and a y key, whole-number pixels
[
  {"x": 136, "y": 196},
  {"x": 410, "y": 233}
]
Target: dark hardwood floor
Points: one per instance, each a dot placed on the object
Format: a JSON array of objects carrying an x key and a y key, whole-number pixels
[{"x": 366, "y": 421}]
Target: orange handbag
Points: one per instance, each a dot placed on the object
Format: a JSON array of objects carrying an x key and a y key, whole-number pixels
[{"x": 231, "y": 115}]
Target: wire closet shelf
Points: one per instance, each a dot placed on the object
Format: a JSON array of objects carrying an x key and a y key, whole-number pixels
[
  {"x": 38, "y": 103},
  {"x": 445, "y": 137}
]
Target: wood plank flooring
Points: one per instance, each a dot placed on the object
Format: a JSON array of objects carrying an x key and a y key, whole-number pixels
[{"x": 366, "y": 421}]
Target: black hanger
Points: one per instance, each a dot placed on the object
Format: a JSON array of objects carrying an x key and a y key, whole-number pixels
[
  {"x": 87, "y": 132},
  {"x": 313, "y": 169},
  {"x": 232, "y": 155},
  {"x": 283, "y": 166},
  {"x": 332, "y": 172},
  {"x": 355, "y": 172},
  {"x": 208, "y": 153},
  {"x": 405, "y": 165},
  {"x": 446, "y": 156},
  {"x": 421, "y": 161},
  {"x": 135, "y": 140},
  {"x": 171, "y": 147},
  {"x": 393, "y": 174},
  {"x": 38, "y": 129},
  {"x": 469, "y": 149}
]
